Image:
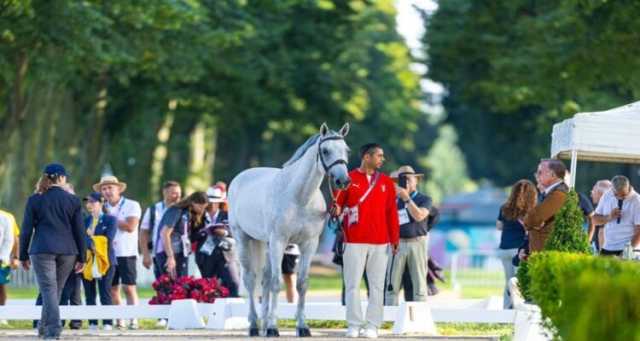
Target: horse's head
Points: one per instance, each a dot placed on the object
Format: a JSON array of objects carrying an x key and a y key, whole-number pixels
[{"x": 333, "y": 155}]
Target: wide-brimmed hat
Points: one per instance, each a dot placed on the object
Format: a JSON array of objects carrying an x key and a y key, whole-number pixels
[
  {"x": 406, "y": 170},
  {"x": 216, "y": 195},
  {"x": 109, "y": 180}
]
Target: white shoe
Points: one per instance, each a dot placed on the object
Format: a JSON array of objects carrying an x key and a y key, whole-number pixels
[
  {"x": 370, "y": 333},
  {"x": 162, "y": 323},
  {"x": 120, "y": 324},
  {"x": 134, "y": 324},
  {"x": 353, "y": 332},
  {"x": 107, "y": 327},
  {"x": 93, "y": 328}
]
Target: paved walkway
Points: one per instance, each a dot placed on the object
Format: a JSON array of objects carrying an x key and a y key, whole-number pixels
[{"x": 286, "y": 334}]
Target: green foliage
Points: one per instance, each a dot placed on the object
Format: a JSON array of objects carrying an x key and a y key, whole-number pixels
[
  {"x": 511, "y": 69},
  {"x": 568, "y": 234},
  {"x": 587, "y": 297},
  {"x": 524, "y": 280},
  {"x": 91, "y": 83}
]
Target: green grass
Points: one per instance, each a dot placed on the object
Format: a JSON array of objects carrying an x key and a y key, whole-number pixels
[{"x": 504, "y": 331}]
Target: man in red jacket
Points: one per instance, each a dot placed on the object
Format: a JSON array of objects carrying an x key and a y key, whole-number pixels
[{"x": 370, "y": 226}]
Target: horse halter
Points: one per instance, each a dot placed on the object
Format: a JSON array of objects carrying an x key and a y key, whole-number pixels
[{"x": 336, "y": 162}]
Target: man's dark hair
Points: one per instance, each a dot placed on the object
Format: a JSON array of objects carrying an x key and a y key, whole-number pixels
[
  {"x": 170, "y": 183},
  {"x": 557, "y": 167},
  {"x": 369, "y": 148}
]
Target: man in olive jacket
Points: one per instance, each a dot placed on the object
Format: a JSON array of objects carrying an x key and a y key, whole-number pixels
[{"x": 539, "y": 221}]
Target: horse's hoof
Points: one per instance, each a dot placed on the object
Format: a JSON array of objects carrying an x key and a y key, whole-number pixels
[
  {"x": 303, "y": 332},
  {"x": 273, "y": 332},
  {"x": 254, "y": 332}
]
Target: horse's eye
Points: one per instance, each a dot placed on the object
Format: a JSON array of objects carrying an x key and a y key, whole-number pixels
[{"x": 325, "y": 152}]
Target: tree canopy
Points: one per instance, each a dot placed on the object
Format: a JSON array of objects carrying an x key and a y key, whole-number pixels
[
  {"x": 195, "y": 90},
  {"x": 511, "y": 69}
]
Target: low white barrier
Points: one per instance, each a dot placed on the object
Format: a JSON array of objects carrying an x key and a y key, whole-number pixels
[{"x": 231, "y": 313}]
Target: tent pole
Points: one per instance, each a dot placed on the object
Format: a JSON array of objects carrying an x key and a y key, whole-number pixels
[{"x": 574, "y": 165}]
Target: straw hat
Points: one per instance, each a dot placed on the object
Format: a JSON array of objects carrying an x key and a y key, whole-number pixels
[
  {"x": 109, "y": 180},
  {"x": 406, "y": 170}
]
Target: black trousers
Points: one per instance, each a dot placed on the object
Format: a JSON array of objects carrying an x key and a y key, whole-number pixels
[
  {"x": 104, "y": 289},
  {"x": 215, "y": 265},
  {"x": 182, "y": 265}
]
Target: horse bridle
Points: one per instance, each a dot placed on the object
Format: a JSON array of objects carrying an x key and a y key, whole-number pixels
[{"x": 334, "y": 163}]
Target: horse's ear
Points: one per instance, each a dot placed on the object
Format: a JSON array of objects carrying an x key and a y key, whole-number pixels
[
  {"x": 324, "y": 129},
  {"x": 345, "y": 129}
]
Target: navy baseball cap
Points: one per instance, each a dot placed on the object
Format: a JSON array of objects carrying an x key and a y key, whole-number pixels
[
  {"x": 93, "y": 197},
  {"x": 53, "y": 169}
]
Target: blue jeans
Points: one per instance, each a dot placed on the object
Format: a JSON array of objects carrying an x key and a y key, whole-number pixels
[
  {"x": 104, "y": 289},
  {"x": 182, "y": 265},
  {"x": 51, "y": 272}
]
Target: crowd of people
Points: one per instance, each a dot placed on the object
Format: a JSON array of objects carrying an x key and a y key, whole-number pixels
[
  {"x": 526, "y": 219},
  {"x": 93, "y": 242},
  {"x": 383, "y": 237}
]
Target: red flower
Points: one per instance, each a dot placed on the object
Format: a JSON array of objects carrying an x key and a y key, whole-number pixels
[{"x": 201, "y": 290}]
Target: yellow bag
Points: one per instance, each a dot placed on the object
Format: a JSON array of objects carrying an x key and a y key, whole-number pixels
[{"x": 101, "y": 258}]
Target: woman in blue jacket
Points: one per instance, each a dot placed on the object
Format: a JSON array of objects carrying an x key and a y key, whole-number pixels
[
  {"x": 52, "y": 238},
  {"x": 99, "y": 223}
]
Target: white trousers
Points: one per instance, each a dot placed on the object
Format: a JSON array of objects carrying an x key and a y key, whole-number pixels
[{"x": 358, "y": 257}]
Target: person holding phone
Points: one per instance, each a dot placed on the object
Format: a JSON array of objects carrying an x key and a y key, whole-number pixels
[
  {"x": 413, "y": 213},
  {"x": 52, "y": 234}
]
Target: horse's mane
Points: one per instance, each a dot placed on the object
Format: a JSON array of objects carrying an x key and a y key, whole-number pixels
[{"x": 305, "y": 146}]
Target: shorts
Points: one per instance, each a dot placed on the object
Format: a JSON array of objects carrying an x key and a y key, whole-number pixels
[
  {"x": 126, "y": 272},
  {"x": 289, "y": 264},
  {"x": 5, "y": 274}
]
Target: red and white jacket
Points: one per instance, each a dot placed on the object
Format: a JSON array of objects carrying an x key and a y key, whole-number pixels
[{"x": 378, "y": 214}]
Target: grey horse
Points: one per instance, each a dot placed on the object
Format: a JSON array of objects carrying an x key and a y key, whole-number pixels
[{"x": 272, "y": 207}]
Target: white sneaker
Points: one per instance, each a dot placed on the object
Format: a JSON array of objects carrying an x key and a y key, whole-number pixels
[
  {"x": 107, "y": 327},
  {"x": 162, "y": 323},
  {"x": 370, "y": 333},
  {"x": 353, "y": 332},
  {"x": 134, "y": 324},
  {"x": 93, "y": 328}
]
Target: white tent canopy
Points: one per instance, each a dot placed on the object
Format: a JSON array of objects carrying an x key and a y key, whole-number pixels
[{"x": 610, "y": 136}]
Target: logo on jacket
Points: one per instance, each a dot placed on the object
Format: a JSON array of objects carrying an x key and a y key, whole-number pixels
[{"x": 384, "y": 188}]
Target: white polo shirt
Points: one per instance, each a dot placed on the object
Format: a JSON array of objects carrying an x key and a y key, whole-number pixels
[
  {"x": 616, "y": 236},
  {"x": 125, "y": 244}
]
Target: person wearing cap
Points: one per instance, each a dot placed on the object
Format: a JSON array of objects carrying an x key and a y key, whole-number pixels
[
  {"x": 178, "y": 226},
  {"x": 413, "y": 211},
  {"x": 149, "y": 231},
  {"x": 370, "y": 225},
  {"x": 99, "y": 224},
  {"x": 52, "y": 236},
  {"x": 125, "y": 243}
]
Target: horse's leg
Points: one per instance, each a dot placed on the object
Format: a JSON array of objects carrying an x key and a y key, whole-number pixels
[
  {"x": 307, "y": 250},
  {"x": 266, "y": 292},
  {"x": 276, "y": 252},
  {"x": 252, "y": 259}
]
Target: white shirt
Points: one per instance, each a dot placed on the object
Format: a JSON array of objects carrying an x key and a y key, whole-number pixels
[
  {"x": 125, "y": 243},
  {"x": 616, "y": 236},
  {"x": 146, "y": 220},
  {"x": 548, "y": 189}
]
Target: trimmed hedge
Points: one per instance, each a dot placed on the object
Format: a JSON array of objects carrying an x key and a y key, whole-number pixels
[
  {"x": 567, "y": 235},
  {"x": 587, "y": 297}
]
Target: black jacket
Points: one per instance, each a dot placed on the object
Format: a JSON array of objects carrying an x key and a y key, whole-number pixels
[{"x": 53, "y": 224}]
